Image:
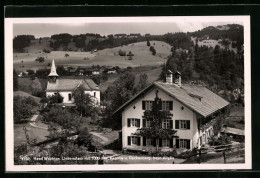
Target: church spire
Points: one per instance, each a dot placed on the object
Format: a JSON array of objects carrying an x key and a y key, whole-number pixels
[{"x": 53, "y": 72}]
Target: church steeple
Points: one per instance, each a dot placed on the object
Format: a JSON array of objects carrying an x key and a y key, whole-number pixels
[{"x": 53, "y": 74}]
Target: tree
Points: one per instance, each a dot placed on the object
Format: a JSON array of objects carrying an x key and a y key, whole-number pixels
[
  {"x": 22, "y": 41},
  {"x": 142, "y": 82},
  {"x": 23, "y": 108},
  {"x": 123, "y": 87},
  {"x": 53, "y": 99},
  {"x": 15, "y": 81},
  {"x": 40, "y": 59},
  {"x": 148, "y": 43},
  {"x": 153, "y": 50},
  {"x": 63, "y": 119},
  {"x": 84, "y": 138},
  {"x": 156, "y": 116},
  {"x": 36, "y": 87},
  {"x": 62, "y": 71},
  {"x": 85, "y": 103}
]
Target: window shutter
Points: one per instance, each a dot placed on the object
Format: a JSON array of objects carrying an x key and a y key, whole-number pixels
[
  {"x": 177, "y": 143},
  {"x": 154, "y": 142},
  {"x": 171, "y": 105},
  {"x": 128, "y": 122},
  {"x": 144, "y": 122},
  {"x": 143, "y": 105},
  {"x": 129, "y": 140},
  {"x": 171, "y": 143},
  {"x": 176, "y": 124},
  {"x": 138, "y": 141},
  {"x": 188, "y": 124},
  {"x": 138, "y": 122},
  {"x": 144, "y": 141},
  {"x": 171, "y": 124},
  {"x": 188, "y": 143},
  {"x": 160, "y": 142}
]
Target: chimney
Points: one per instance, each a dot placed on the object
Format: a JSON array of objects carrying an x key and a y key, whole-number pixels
[
  {"x": 177, "y": 78},
  {"x": 169, "y": 77}
]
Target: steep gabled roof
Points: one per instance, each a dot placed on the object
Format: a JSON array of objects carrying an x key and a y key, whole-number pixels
[
  {"x": 71, "y": 84},
  {"x": 53, "y": 72},
  {"x": 198, "y": 98}
]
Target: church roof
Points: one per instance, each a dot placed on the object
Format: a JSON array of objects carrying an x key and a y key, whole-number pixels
[
  {"x": 71, "y": 84},
  {"x": 198, "y": 98}
]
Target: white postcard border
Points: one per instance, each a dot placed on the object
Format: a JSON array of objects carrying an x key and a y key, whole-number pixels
[{"x": 9, "y": 134}]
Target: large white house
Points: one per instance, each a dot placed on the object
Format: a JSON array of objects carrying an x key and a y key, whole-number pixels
[
  {"x": 192, "y": 108},
  {"x": 64, "y": 87}
]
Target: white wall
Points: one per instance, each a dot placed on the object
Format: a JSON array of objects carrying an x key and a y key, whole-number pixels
[
  {"x": 97, "y": 95},
  {"x": 65, "y": 95},
  {"x": 178, "y": 114}
]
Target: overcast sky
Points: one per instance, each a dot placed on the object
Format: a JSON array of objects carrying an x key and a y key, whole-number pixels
[{"x": 155, "y": 28}]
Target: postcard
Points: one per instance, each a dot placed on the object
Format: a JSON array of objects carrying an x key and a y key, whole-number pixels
[{"x": 128, "y": 93}]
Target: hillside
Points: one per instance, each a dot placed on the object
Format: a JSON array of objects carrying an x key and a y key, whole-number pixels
[
  {"x": 227, "y": 35},
  {"x": 142, "y": 56},
  {"x": 24, "y": 94}
]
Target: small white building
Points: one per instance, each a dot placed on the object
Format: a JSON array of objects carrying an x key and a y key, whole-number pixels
[
  {"x": 65, "y": 87},
  {"x": 192, "y": 108}
]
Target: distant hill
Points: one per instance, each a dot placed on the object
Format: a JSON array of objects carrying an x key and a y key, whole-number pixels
[{"x": 230, "y": 34}]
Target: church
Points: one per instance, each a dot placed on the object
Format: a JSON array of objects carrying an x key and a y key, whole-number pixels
[{"x": 65, "y": 86}]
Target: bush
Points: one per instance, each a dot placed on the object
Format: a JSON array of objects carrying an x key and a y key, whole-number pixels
[
  {"x": 84, "y": 138},
  {"x": 40, "y": 59},
  {"x": 215, "y": 141},
  {"x": 153, "y": 50},
  {"x": 23, "y": 108},
  {"x": 46, "y": 51},
  {"x": 121, "y": 53},
  {"x": 130, "y": 53}
]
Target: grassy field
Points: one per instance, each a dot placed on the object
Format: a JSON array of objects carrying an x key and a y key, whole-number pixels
[
  {"x": 25, "y": 84},
  {"x": 142, "y": 57},
  {"x": 35, "y": 133},
  {"x": 24, "y": 94}
]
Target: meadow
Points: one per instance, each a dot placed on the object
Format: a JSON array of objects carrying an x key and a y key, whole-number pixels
[{"x": 109, "y": 57}]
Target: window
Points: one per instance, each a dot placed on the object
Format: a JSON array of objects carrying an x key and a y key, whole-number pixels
[
  {"x": 165, "y": 142},
  {"x": 166, "y": 124},
  {"x": 167, "y": 105},
  {"x": 69, "y": 96},
  {"x": 133, "y": 122},
  {"x": 146, "y": 123},
  {"x": 133, "y": 140},
  {"x": 182, "y": 124},
  {"x": 183, "y": 143},
  {"x": 149, "y": 142},
  {"x": 94, "y": 94},
  {"x": 147, "y": 105}
]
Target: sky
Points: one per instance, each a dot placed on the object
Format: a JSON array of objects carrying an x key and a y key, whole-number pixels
[{"x": 153, "y": 28}]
